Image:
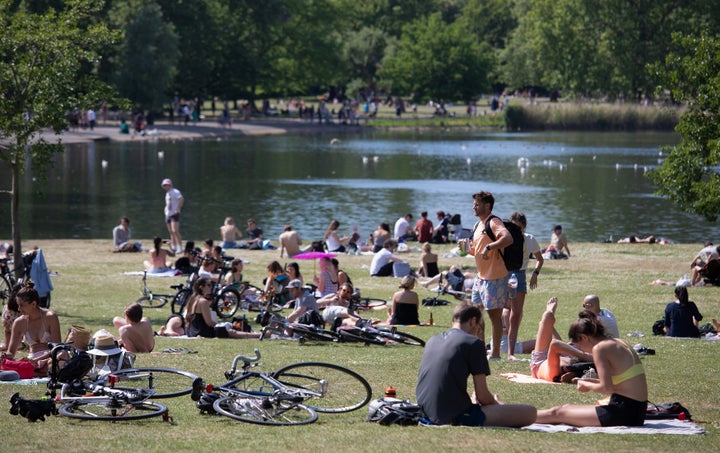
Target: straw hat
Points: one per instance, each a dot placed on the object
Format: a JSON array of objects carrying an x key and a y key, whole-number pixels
[
  {"x": 105, "y": 345},
  {"x": 79, "y": 336}
]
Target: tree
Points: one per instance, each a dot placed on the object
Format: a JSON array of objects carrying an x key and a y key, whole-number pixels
[
  {"x": 689, "y": 174},
  {"x": 438, "y": 60},
  {"x": 146, "y": 64},
  {"x": 41, "y": 57},
  {"x": 364, "y": 50}
]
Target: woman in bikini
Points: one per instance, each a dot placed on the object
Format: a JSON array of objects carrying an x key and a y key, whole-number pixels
[
  {"x": 428, "y": 262},
  {"x": 620, "y": 374},
  {"x": 38, "y": 326},
  {"x": 158, "y": 258}
]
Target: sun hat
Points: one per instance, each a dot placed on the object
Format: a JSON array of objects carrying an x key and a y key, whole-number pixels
[
  {"x": 79, "y": 336},
  {"x": 295, "y": 283},
  {"x": 105, "y": 345},
  {"x": 166, "y": 182}
]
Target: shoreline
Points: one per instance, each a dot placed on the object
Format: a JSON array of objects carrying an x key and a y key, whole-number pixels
[{"x": 163, "y": 130}]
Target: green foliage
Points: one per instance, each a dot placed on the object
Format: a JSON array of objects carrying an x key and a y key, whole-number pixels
[
  {"x": 439, "y": 61},
  {"x": 689, "y": 175},
  {"x": 588, "y": 117},
  {"x": 42, "y": 56},
  {"x": 146, "y": 64}
]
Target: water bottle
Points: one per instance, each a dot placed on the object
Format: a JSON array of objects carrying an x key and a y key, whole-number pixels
[
  {"x": 390, "y": 392},
  {"x": 513, "y": 281}
]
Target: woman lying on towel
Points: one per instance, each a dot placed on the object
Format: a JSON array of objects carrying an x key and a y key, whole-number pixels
[{"x": 620, "y": 374}]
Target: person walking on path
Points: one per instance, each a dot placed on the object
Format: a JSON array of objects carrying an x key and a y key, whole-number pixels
[{"x": 173, "y": 204}]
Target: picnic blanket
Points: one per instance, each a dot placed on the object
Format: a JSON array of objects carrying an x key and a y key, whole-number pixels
[
  {"x": 33, "y": 381},
  {"x": 169, "y": 273},
  {"x": 525, "y": 379},
  {"x": 671, "y": 426}
]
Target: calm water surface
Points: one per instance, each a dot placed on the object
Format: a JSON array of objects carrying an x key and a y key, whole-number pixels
[{"x": 592, "y": 184}]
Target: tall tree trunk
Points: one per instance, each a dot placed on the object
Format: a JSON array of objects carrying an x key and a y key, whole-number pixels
[{"x": 15, "y": 219}]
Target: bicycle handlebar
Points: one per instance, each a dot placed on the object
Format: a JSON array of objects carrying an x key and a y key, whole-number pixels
[{"x": 246, "y": 360}]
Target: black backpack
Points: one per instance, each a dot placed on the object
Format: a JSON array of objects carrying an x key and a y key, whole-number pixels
[{"x": 514, "y": 253}]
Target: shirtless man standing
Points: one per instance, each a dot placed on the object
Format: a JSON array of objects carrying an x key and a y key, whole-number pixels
[
  {"x": 136, "y": 332},
  {"x": 290, "y": 242}
]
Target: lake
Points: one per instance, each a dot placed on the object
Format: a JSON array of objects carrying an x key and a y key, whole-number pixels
[{"x": 594, "y": 184}]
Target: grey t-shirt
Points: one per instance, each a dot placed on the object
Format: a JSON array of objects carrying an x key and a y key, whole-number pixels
[
  {"x": 449, "y": 358},
  {"x": 308, "y": 301}
]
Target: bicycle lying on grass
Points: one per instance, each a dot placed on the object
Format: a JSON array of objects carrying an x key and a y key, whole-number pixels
[
  {"x": 377, "y": 335},
  {"x": 151, "y": 299},
  {"x": 120, "y": 395},
  {"x": 303, "y": 332},
  {"x": 293, "y": 395}
]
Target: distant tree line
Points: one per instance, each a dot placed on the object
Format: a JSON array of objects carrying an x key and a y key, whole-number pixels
[{"x": 453, "y": 50}]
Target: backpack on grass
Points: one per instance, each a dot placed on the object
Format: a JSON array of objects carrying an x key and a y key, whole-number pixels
[
  {"x": 514, "y": 253},
  {"x": 393, "y": 411},
  {"x": 666, "y": 411}
]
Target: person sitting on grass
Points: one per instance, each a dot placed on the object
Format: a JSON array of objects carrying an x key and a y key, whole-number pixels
[
  {"x": 199, "y": 321},
  {"x": 136, "y": 332},
  {"x": 158, "y": 262},
  {"x": 682, "y": 316},
  {"x": 428, "y": 262},
  {"x": 447, "y": 361},
  {"x": 37, "y": 327},
  {"x": 620, "y": 374},
  {"x": 382, "y": 262},
  {"x": 404, "y": 306}
]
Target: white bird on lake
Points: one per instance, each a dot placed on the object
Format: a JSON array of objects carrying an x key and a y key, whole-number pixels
[
  {"x": 523, "y": 162},
  {"x": 161, "y": 154},
  {"x": 104, "y": 163},
  {"x": 468, "y": 160},
  {"x": 365, "y": 160},
  {"x": 334, "y": 141},
  {"x": 376, "y": 158}
]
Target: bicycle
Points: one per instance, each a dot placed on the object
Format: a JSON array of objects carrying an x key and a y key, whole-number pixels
[
  {"x": 369, "y": 334},
  {"x": 8, "y": 280},
  {"x": 290, "y": 396},
  {"x": 359, "y": 303},
  {"x": 303, "y": 332},
  {"x": 151, "y": 299},
  {"x": 226, "y": 299},
  {"x": 117, "y": 396},
  {"x": 253, "y": 298}
]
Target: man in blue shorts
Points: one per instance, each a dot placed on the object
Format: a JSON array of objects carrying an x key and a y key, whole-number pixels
[
  {"x": 491, "y": 284},
  {"x": 448, "y": 359}
]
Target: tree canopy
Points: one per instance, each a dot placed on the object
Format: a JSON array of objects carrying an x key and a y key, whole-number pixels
[
  {"x": 44, "y": 60},
  {"x": 689, "y": 175}
]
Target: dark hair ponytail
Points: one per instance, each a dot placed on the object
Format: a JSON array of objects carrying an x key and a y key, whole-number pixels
[
  {"x": 28, "y": 293},
  {"x": 586, "y": 324},
  {"x": 682, "y": 295}
]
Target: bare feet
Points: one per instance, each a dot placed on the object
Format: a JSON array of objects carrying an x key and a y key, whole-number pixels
[
  {"x": 716, "y": 324},
  {"x": 512, "y": 358},
  {"x": 552, "y": 305}
]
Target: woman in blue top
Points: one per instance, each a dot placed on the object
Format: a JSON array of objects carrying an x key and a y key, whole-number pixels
[{"x": 682, "y": 316}]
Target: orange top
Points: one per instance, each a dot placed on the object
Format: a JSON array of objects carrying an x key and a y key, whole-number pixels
[{"x": 493, "y": 267}]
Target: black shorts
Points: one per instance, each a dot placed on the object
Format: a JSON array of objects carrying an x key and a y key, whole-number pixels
[
  {"x": 622, "y": 411},
  {"x": 173, "y": 218}
]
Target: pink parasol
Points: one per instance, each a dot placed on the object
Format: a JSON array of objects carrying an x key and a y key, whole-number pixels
[{"x": 313, "y": 256}]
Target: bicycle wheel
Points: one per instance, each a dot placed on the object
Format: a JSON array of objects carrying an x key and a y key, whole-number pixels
[
  {"x": 109, "y": 411},
  {"x": 152, "y": 301},
  {"x": 342, "y": 390},
  {"x": 5, "y": 289},
  {"x": 401, "y": 337},
  {"x": 166, "y": 382},
  {"x": 358, "y": 336},
  {"x": 263, "y": 411},
  {"x": 311, "y": 333},
  {"x": 227, "y": 302},
  {"x": 178, "y": 303}
]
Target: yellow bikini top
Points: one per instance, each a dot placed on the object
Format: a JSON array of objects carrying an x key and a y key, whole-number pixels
[{"x": 635, "y": 370}]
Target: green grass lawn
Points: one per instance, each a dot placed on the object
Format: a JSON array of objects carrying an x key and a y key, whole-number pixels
[{"x": 90, "y": 289}]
